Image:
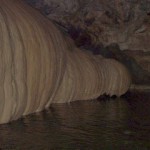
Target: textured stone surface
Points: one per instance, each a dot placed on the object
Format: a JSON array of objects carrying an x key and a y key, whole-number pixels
[
  {"x": 97, "y": 24},
  {"x": 124, "y": 22},
  {"x": 137, "y": 62},
  {"x": 142, "y": 58}
]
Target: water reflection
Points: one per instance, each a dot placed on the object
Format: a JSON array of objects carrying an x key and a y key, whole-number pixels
[{"x": 99, "y": 124}]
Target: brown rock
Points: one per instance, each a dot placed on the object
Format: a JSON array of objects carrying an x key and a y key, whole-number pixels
[{"x": 40, "y": 66}]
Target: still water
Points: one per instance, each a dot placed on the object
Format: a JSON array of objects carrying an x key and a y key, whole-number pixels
[{"x": 103, "y": 124}]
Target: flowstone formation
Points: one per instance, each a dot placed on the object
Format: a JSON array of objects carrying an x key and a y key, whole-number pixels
[
  {"x": 40, "y": 66},
  {"x": 99, "y": 24}
]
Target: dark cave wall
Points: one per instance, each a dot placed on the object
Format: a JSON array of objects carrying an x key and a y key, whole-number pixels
[
  {"x": 117, "y": 29},
  {"x": 102, "y": 21}
]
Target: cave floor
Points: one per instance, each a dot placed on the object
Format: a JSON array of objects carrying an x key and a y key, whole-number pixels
[{"x": 120, "y": 124}]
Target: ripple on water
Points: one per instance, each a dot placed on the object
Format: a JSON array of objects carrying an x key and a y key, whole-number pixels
[{"x": 121, "y": 123}]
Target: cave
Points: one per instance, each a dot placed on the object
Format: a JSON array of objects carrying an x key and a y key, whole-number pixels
[{"x": 74, "y": 74}]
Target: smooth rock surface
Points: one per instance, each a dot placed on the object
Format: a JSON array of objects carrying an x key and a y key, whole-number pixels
[{"x": 40, "y": 66}]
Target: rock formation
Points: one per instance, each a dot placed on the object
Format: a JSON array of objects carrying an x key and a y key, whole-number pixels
[
  {"x": 39, "y": 65},
  {"x": 124, "y": 22},
  {"x": 96, "y": 23}
]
